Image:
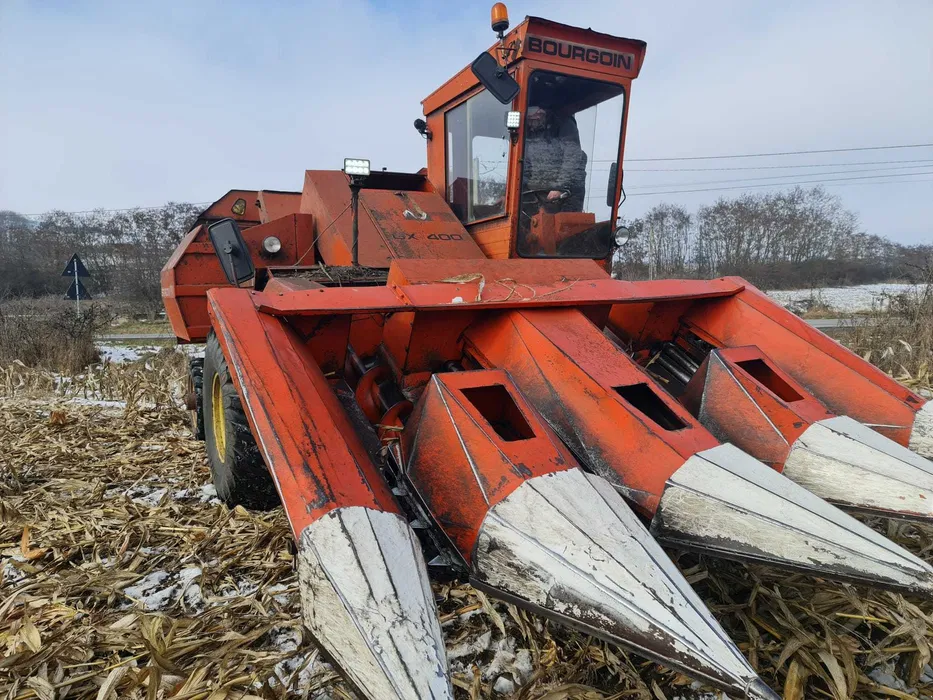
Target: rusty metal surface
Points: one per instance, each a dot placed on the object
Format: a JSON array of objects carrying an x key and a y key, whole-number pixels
[
  {"x": 457, "y": 461},
  {"x": 571, "y": 372},
  {"x": 235, "y": 204},
  {"x": 844, "y": 382},
  {"x": 273, "y": 204},
  {"x": 193, "y": 269},
  {"x": 308, "y": 443},
  {"x": 392, "y": 223},
  {"x": 738, "y": 408},
  {"x": 470, "y": 290}
]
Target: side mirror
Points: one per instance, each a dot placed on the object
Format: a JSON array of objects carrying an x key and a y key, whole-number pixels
[
  {"x": 231, "y": 251},
  {"x": 622, "y": 235},
  {"x": 495, "y": 78},
  {"x": 611, "y": 185}
]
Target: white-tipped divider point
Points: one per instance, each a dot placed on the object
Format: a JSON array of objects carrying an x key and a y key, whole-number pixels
[
  {"x": 850, "y": 464},
  {"x": 366, "y": 599},
  {"x": 568, "y": 546},
  {"x": 921, "y": 435},
  {"x": 724, "y": 501}
]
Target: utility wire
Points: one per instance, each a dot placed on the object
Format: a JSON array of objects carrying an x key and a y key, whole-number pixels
[
  {"x": 776, "y": 177},
  {"x": 802, "y": 182},
  {"x": 768, "y": 167},
  {"x": 778, "y": 153},
  {"x": 647, "y": 160}
]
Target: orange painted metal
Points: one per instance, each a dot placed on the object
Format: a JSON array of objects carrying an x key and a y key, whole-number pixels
[
  {"x": 578, "y": 380},
  {"x": 563, "y": 34},
  {"x": 840, "y": 379},
  {"x": 470, "y": 442},
  {"x": 743, "y": 397},
  {"x": 548, "y": 230},
  {"x": 194, "y": 269},
  {"x": 537, "y": 44},
  {"x": 240, "y": 205},
  {"x": 469, "y": 288},
  {"x": 405, "y": 272},
  {"x": 274, "y": 204},
  {"x": 392, "y": 224},
  {"x": 309, "y": 445}
]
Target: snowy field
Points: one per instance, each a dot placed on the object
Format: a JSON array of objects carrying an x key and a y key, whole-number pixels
[{"x": 844, "y": 299}]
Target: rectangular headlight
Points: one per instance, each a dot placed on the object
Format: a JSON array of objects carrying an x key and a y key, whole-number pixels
[
  {"x": 356, "y": 166},
  {"x": 513, "y": 119}
]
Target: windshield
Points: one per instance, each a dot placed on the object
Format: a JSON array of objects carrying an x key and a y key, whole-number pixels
[{"x": 572, "y": 130}]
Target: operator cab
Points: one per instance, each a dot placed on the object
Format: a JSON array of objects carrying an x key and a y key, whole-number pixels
[{"x": 537, "y": 175}]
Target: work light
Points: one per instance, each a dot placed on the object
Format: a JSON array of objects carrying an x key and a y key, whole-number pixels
[
  {"x": 356, "y": 166},
  {"x": 512, "y": 120},
  {"x": 271, "y": 245}
]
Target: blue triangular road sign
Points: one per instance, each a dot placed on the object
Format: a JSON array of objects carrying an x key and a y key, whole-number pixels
[
  {"x": 77, "y": 291},
  {"x": 75, "y": 262}
]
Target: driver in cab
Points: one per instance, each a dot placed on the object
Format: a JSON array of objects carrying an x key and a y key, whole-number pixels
[{"x": 554, "y": 161}]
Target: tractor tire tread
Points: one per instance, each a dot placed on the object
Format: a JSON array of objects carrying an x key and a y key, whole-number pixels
[
  {"x": 196, "y": 377},
  {"x": 240, "y": 476}
]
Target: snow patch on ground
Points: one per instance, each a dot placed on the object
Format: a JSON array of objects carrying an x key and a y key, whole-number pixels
[
  {"x": 507, "y": 669},
  {"x": 140, "y": 493},
  {"x": 160, "y": 589},
  {"x": 843, "y": 299},
  {"x": 102, "y": 403},
  {"x": 208, "y": 494},
  {"x": 11, "y": 573},
  {"x": 300, "y": 669},
  {"x": 126, "y": 353}
]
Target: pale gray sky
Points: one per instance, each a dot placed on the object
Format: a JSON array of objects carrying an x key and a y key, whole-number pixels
[{"x": 115, "y": 104}]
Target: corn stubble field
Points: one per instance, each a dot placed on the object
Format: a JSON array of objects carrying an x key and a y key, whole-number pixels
[{"x": 122, "y": 576}]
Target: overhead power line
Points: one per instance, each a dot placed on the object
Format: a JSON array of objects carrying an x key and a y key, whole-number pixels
[
  {"x": 782, "y": 153},
  {"x": 770, "y": 167},
  {"x": 802, "y": 182},
  {"x": 781, "y": 177},
  {"x": 682, "y": 158}
]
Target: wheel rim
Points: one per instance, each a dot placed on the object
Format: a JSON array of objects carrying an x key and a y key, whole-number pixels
[{"x": 217, "y": 417}]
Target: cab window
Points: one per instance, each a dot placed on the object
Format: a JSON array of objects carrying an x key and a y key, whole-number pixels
[
  {"x": 573, "y": 128},
  {"x": 477, "y": 157}
]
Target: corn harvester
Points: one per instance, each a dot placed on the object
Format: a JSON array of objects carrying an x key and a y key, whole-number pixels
[{"x": 436, "y": 375}]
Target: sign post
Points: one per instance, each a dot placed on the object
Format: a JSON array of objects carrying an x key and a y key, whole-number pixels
[{"x": 75, "y": 268}]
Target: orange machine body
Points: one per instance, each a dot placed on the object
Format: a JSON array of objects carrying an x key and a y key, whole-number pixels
[
  {"x": 596, "y": 357},
  {"x": 479, "y": 394}
]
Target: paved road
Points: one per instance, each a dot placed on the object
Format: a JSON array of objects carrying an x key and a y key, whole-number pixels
[
  {"x": 135, "y": 336},
  {"x": 822, "y": 323}
]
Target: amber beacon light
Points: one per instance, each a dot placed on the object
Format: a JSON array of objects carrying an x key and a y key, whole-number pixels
[{"x": 499, "y": 17}]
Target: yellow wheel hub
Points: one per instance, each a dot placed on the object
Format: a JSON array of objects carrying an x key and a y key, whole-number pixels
[{"x": 217, "y": 417}]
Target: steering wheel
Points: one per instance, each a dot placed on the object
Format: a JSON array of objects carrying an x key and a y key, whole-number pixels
[{"x": 541, "y": 195}]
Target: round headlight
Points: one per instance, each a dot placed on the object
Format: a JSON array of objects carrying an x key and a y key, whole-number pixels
[
  {"x": 271, "y": 245},
  {"x": 622, "y": 235}
]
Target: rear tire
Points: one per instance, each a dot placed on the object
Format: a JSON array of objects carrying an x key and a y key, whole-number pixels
[
  {"x": 195, "y": 396},
  {"x": 239, "y": 473}
]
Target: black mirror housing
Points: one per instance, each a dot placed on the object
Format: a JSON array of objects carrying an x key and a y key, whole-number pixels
[
  {"x": 611, "y": 185},
  {"x": 495, "y": 78},
  {"x": 232, "y": 252}
]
